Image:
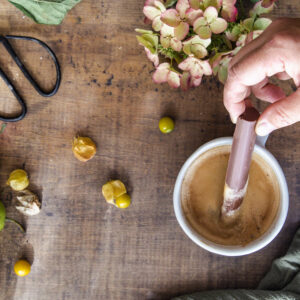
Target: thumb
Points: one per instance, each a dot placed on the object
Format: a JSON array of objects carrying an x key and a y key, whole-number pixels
[{"x": 279, "y": 114}]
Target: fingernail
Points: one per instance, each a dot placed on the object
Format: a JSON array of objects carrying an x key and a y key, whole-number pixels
[{"x": 264, "y": 128}]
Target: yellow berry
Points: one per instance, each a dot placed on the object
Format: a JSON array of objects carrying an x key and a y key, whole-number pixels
[
  {"x": 123, "y": 201},
  {"x": 83, "y": 148},
  {"x": 166, "y": 125},
  {"x": 112, "y": 190},
  {"x": 18, "y": 180},
  {"x": 22, "y": 267}
]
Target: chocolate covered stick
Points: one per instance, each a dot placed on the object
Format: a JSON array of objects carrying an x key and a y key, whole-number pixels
[{"x": 239, "y": 161}]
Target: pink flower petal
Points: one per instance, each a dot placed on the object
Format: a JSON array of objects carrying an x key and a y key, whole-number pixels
[
  {"x": 230, "y": 15},
  {"x": 187, "y": 64},
  {"x": 181, "y": 31},
  {"x": 171, "y": 17},
  {"x": 185, "y": 80},
  {"x": 192, "y": 14},
  {"x": 173, "y": 79},
  {"x": 210, "y": 14},
  {"x": 196, "y": 81},
  {"x": 159, "y": 5},
  {"x": 151, "y": 12},
  {"x": 182, "y": 6},
  {"x": 218, "y": 25},
  {"x": 157, "y": 23},
  {"x": 164, "y": 66},
  {"x": 229, "y": 11},
  {"x": 206, "y": 67},
  {"x": 167, "y": 30},
  {"x": 152, "y": 57},
  {"x": 161, "y": 73},
  {"x": 176, "y": 44}
]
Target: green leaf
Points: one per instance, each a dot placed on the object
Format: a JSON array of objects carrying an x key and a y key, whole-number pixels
[
  {"x": 2, "y": 216},
  {"x": 170, "y": 3},
  {"x": 50, "y": 12},
  {"x": 145, "y": 43},
  {"x": 143, "y": 31},
  {"x": 151, "y": 38}
]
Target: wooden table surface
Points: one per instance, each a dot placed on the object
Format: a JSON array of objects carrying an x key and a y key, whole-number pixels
[{"x": 81, "y": 247}]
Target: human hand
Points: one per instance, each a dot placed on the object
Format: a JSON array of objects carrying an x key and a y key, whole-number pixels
[{"x": 275, "y": 52}]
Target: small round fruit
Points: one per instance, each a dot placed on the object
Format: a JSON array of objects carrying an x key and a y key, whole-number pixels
[
  {"x": 22, "y": 267},
  {"x": 123, "y": 201},
  {"x": 166, "y": 125},
  {"x": 112, "y": 190},
  {"x": 83, "y": 148},
  {"x": 18, "y": 180}
]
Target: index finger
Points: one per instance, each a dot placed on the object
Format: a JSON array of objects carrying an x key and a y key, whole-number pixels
[{"x": 250, "y": 70}]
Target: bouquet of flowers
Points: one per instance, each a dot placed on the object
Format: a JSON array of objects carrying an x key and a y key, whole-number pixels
[{"x": 192, "y": 38}]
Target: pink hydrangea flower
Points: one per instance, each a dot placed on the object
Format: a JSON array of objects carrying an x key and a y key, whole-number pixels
[
  {"x": 180, "y": 18},
  {"x": 262, "y": 7},
  {"x": 168, "y": 39},
  {"x": 209, "y": 23},
  {"x": 164, "y": 73},
  {"x": 153, "y": 10},
  {"x": 196, "y": 67},
  {"x": 229, "y": 11},
  {"x": 188, "y": 81},
  {"x": 196, "y": 46}
]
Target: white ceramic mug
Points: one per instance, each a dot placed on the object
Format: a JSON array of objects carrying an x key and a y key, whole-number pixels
[{"x": 263, "y": 240}]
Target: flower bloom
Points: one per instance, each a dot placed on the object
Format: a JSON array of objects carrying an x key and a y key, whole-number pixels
[
  {"x": 209, "y": 23},
  {"x": 153, "y": 10},
  {"x": 164, "y": 73},
  {"x": 196, "y": 67},
  {"x": 168, "y": 39},
  {"x": 180, "y": 18}
]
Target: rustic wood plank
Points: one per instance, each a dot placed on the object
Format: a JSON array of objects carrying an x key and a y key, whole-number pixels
[{"x": 82, "y": 248}]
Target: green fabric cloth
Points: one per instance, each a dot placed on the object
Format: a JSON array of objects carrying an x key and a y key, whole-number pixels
[{"x": 282, "y": 282}]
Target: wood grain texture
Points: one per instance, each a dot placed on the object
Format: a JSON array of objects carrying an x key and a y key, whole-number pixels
[{"x": 82, "y": 248}]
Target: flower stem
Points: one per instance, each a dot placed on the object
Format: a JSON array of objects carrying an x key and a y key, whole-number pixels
[{"x": 17, "y": 223}]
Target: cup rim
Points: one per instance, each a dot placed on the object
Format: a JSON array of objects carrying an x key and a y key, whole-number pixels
[{"x": 253, "y": 246}]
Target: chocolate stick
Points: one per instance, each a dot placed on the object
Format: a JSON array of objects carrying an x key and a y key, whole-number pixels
[{"x": 236, "y": 181}]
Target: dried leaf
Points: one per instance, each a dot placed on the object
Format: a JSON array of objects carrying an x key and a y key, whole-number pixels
[{"x": 50, "y": 12}]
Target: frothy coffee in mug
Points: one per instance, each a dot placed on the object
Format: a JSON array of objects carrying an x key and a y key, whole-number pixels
[{"x": 202, "y": 197}]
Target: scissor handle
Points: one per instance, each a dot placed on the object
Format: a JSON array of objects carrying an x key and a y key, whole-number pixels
[
  {"x": 10, "y": 50},
  {"x": 19, "y": 98}
]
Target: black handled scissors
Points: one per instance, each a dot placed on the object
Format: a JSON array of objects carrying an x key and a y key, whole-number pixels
[{"x": 10, "y": 50}]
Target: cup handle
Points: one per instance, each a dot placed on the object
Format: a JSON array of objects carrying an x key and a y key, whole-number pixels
[{"x": 261, "y": 140}]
